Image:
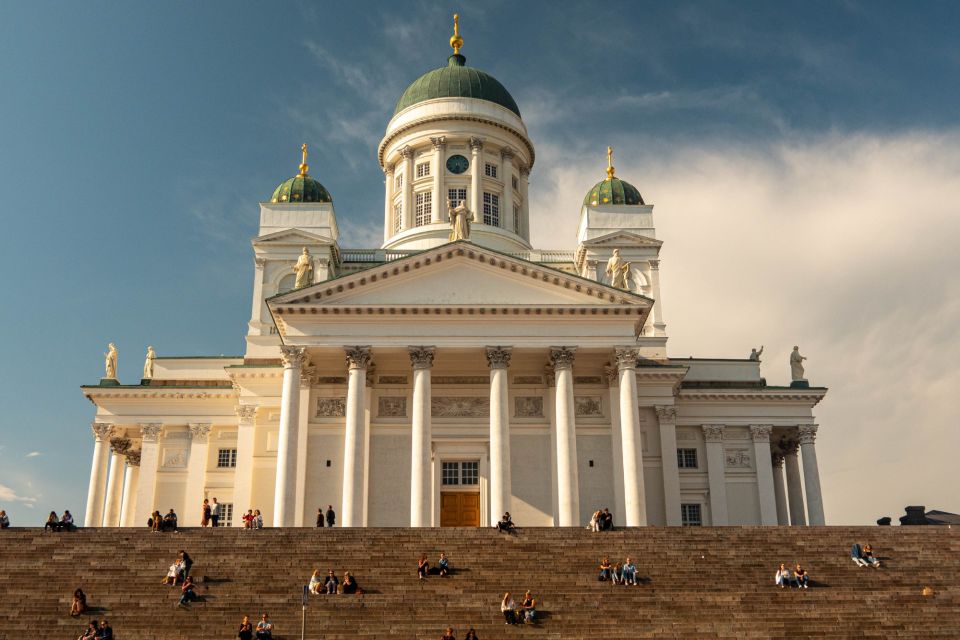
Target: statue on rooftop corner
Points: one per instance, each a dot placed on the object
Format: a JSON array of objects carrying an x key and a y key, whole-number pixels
[
  {"x": 459, "y": 221},
  {"x": 148, "y": 363},
  {"x": 303, "y": 269},
  {"x": 619, "y": 271},
  {"x": 110, "y": 362},
  {"x": 796, "y": 365},
  {"x": 755, "y": 355}
]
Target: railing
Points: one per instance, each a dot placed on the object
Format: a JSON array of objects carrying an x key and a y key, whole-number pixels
[{"x": 387, "y": 255}]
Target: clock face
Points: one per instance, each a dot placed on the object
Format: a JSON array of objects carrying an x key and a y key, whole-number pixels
[{"x": 457, "y": 164}]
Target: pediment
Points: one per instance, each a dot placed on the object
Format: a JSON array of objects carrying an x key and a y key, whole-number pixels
[
  {"x": 291, "y": 237},
  {"x": 459, "y": 274},
  {"x": 622, "y": 239}
]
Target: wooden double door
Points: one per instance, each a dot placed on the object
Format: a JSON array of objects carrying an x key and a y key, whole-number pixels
[{"x": 459, "y": 509}]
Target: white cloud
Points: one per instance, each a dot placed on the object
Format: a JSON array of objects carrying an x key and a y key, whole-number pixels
[
  {"x": 33, "y": 454},
  {"x": 845, "y": 245},
  {"x": 9, "y": 495}
]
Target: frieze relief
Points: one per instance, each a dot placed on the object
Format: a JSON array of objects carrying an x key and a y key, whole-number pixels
[
  {"x": 393, "y": 380},
  {"x": 588, "y": 406},
  {"x": 174, "y": 459},
  {"x": 392, "y": 407},
  {"x": 331, "y": 407},
  {"x": 527, "y": 380},
  {"x": 528, "y": 406},
  {"x": 738, "y": 459},
  {"x": 460, "y": 379},
  {"x": 685, "y": 435},
  {"x": 587, "y": 380},
  {"x": 460, "y": 406}
]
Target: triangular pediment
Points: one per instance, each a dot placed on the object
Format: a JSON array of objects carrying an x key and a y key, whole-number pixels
[
  {"x": 291, "y": 237},
  {"x": 622, "y": 239},
  {"x": 459, "y": 274}
]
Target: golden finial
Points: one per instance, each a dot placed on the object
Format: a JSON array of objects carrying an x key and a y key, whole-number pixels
[
  {"x": 455, "y": 40},
  {"x": 610, "y": 168},
  {"x": 304, "y": 167}
]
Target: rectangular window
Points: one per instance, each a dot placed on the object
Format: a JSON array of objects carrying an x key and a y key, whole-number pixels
[
  {"x": 226, "y": 458},
  {"x": 515, "y": 182},
  {"x": 226, "y": 514},
  {"x": 690, "y": 515},
  {"x": 470, "y": 473},
  {"x": 398, "y": 182},
  {"x": 397, "y": 218},
  {"x": 491, "y": 209},
  {"x": 456, "y": 195},
  {"x": 516, "y": 218},
  {"x": 687, "y": 458},
  {"x": 490, "y": 170},
  {"x": 451, "y": 473},
  {"x": 423, "y": 169},
  {"x": 424, "y": 208}
]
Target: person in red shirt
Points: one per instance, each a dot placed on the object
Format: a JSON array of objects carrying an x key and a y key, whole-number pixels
[{"x": 248, "y": 519}]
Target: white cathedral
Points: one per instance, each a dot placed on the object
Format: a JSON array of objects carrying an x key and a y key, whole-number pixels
[{"x": 456, "y": 372}]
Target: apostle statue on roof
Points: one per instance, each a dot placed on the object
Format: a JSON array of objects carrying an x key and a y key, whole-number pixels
[
  {"x": 303, "y": 269},
  {"x": 618, "y": 270},
  {"x": 110, "y": 362},
  {"x": 459, "y": 221}
]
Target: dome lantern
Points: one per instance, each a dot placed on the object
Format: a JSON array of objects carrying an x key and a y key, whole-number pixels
[
  {"x": 301, "y": 187},
  {"x": 612, "y": 190}
]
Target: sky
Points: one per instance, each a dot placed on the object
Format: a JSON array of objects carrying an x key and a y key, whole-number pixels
[{"x": 803, "y": 159}]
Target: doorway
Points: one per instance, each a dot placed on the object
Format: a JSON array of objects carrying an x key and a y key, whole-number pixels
[{"x": 459, "y": 509}]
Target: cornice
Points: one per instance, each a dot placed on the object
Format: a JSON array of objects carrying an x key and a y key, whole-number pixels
[
  {"x": 806, "y": 396},
  {"x": 164, "y": 393}
]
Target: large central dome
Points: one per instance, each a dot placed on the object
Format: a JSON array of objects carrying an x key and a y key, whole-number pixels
[{"x": 456, "y": 80}]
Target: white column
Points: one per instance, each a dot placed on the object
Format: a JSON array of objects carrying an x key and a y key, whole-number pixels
[
  {"x": 659, "y": 325},
  {"x": 525, "y": 204},
  {"x": 439, "y": 210},
  {"x": 779, "y": 490},
  {"x": 351, "y": 514},
  {"x": 506, "y": 174},
  {"x": 367, "y": 403},
  {"x": 616, "y": 445},
  {"x": 303, "y": 429},
  {"x": 713, "y": 434},
  {"x": 406, "y": 203},
  {"x": 420, "y": 438},
  {"x": 111, "y": 512},
  {"x": 798, "y": 514},
  {"x": 551, "y": 410},
  {"x": 285, "y": 489},
  {"x": 476, "y": 176},
  {"x": 811, "y": 474},
  {"x": 149, "y": 464},
  {"x": 634, "y": 497},
  {"x": 501, "y": 488},
  {"x": 196, "y": 474},
  {"x": 667, "y": 416},
  {"x": 387, "y": 201},
  {"x": 98, "y": 474},
  {"x": 256, "y": 313},
  {"x": 243, "y": 473},
  {"x": 761, "y": 453},
  {"x": 568, "y": 484},
  {"x": 128, "y": 511}
]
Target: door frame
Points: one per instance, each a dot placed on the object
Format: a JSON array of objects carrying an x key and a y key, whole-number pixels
[{"x": 457, "y": 451}]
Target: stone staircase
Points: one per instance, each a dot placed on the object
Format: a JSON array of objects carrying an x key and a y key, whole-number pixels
[{"x": 698, "y": 582}]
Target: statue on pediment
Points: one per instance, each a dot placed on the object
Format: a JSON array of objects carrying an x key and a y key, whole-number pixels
[
  {"x": 755, "y": 355},
  {"x": 148, "y": 363},
  {"x": 110, "y": 362},
  {"x": 459, "y": 221},
  {"x": 796, "y": 365},
  {"x": 619, "y": 271},
  {"x": 303, "y": 269}
]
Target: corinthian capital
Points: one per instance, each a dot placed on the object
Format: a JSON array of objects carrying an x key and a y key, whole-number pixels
[
  {"x": 562, "y": 357},
  {"x": 808, "y": 433},
  {"x": 476, "y": 144},
  {"x": 666, "y": 413},
  {"x": 293, "y": 357},
  {"x": 498, "y": 357},
  {"x": 713, "y": 432},
  {"x": 761, "y": 432},
  {"x": 439, "y": 142},
  {"x": 102, "y": 431},
  {"x": 246, "y": 413},
  {"x": 613, "y": 376},
  {"x": 626, "y": 357},
  {"x": 506, "y": 153},
  {"x": 200, "y": 431},
  {"x": 406, "y": 152},
  {"x": 357, "y": 357},
  {"x": 119, "y": 445},
  {"x": 133, "y": 458},
  {"x": 422, "y": 357},
  {"x": 151, "y": 431}
]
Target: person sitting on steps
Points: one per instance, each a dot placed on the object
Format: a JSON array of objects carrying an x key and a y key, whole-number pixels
[
  {"x": 90, "y": 633},
  {"x": 248, "y": 519},
  {"x": 257, "y": 519},
  {"x": 173, "y": 574},
  {"x": 800, "y": 577},
  {"x": 856, "y": 554},
  {"x": 315, "y": 583},
  {"x": 170, "y": 521},
  {"x": 444, "y": 565},
  {"x": 105, "y": 632},
  {"x": 529, "y": 607},
  {"x": 4, "y": 520},
  {"x": 595, "y": 521},
  {"x": 264, "y": 628},
  {"x": 423, "y": 567},
  {"x": 79, "y": 605},
  {"x": 155, "y": 522},
  {"x": 606, "y": 520},
  {"x": 617, "y": 574},
  {"x": 448, "y": 634},
  {"x": 782, "y": 577},
  {"x": 185, "y": 563},
  {"x": 629, "y": 572},
  {"x": 66, "y": 522},
  {"x": 187, "y": 592},
  {"x": 53, "y": 522},
  {"x": 869, "y": 558},
  {"x": 506, "y": 524},
  {"x": 245, "y": 632},
  {"x": 330, "y": 586},
  {"x": 350, "y": 585},
  {"x": 508, "y": 608},
  {"x": 604, "y": 570},
  {"x": 471, "y": 635}
]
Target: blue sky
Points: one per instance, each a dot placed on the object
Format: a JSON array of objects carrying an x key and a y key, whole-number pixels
[{"x": 137, "y": 138}]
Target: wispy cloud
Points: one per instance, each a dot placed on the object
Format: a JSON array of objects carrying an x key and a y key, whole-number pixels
[
  {"x": 33, "y": 454},
  {"x": 9, "y": 495}
]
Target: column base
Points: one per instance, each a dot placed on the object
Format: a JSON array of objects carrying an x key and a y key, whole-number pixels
[{"x": 800, "y": 384}]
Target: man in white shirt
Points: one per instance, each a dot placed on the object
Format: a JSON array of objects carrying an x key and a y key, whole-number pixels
[{"x": 215, "y": 513}]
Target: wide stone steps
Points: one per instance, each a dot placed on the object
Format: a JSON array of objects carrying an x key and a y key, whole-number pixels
[{"x": 715, "y": 583}]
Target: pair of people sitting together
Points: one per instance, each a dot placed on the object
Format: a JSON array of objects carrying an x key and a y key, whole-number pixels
[
  {"x": 443, "y": 566},
  {"x": 253, "y": 519},
  {"x": 97, "y": 631},
  {"x": 625, "y": 573},
  {"x": 800, "y": 578},
  {"x": 332, "y": 585},
  {"x": 64, "y": 523},
  {"x": 601, "y": 520},
  {"x": 863, "y": 556},
  {"x": 505, "y": 524},
  {"x": 156, "y": 522},
  {"x": 527, "y": 612}
]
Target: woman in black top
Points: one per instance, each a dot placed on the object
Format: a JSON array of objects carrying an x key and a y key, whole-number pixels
[
  {"x": 471, "y": 635},
  {"x": 349, "y": 583},
  {"x": 246, "y": 629}
]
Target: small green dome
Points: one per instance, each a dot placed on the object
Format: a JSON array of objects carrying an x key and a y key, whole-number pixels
[
  {"x": 456, "y": 80},
  {"x": 612, "y": 191},
  {"x": 301, "y": 188}
]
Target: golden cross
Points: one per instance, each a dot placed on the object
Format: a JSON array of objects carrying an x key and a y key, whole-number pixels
[
  {"x": 610, "y": 168},
  {"x": 304, "y": 167}
]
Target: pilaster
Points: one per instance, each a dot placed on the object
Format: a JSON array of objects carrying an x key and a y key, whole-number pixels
[
  {"x": 421, "y": 359},
  {"x": 713, "y": 434},
  {"x": 760, "y": 433},
  {"x": 568, "y": 482},
  {"x": 667, "y": 418},
  {"x": 811, "y": 474},
  {"x": 358, "y": 359},
  {"x": 197, "y": 473},
  {"x": 501, "y": 491},
  {"x": 150, "y": 434}
]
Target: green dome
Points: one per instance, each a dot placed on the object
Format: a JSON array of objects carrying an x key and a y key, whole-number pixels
[
  {"x": 456, "y": 80},
  {"x": 612, "y": 191},
  {"x": 301, "y": 188}
]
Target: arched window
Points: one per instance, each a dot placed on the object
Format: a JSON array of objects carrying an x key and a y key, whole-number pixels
[{"x": 286, "y": 283}]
